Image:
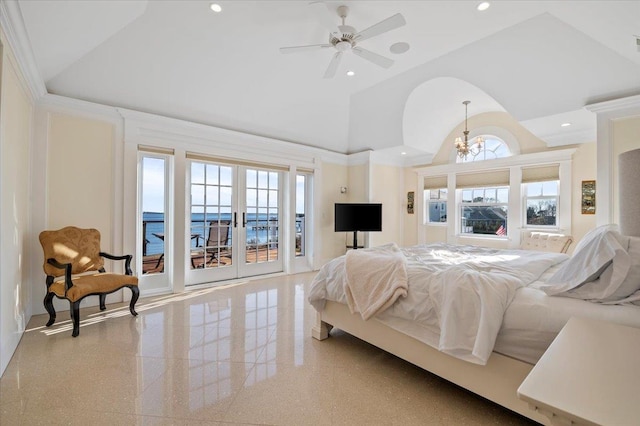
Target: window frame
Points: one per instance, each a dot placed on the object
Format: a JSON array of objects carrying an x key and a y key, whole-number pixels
[
  {"x": 440, "y": 200},
  {"x": 526, "y": 197},
  {"x": 483, "y": 152}
]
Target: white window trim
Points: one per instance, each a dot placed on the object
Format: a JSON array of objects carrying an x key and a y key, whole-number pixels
[
  {"x": 525, "y": 225},
  {"x": 515, "y": 163},
  {"x": 427, "y": 217}
]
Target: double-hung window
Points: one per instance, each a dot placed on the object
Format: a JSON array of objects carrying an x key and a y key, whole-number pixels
[
  {"x": 483, "y": 211},
  {"x": 541, "y": 203},
  {"x": 540, "y": 193},
  {"x": 436, "y": 205}
]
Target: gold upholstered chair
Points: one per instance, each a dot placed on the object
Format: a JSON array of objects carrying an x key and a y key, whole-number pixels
[{"x": 74, "y": 266}]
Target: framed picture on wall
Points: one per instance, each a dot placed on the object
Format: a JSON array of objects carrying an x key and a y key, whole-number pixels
[
  {"x": 410, "y": 199},
  {"x": 588, "y": 197}
]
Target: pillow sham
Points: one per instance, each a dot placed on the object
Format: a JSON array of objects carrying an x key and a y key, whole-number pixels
[{"x": 597, "y": 270}]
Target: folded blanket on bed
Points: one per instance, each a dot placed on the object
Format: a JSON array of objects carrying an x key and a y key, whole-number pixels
[{"x": 375, "y": 279}]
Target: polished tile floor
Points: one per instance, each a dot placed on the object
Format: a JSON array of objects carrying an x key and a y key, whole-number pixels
[{"x": 237, "y": 354}]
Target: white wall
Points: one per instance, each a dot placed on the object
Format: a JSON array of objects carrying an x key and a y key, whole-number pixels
[{"x": 16, "y": 239}]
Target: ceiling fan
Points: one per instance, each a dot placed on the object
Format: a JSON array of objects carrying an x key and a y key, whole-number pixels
[{"x": 345, "y": 38}]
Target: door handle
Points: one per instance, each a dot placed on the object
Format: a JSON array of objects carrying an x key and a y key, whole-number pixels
[
  {"x": 235, "y": 219},
  {"x": 244, "y": 219}
]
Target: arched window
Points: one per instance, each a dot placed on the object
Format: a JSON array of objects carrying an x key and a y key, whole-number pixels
[{"x": 492, "y": 148}]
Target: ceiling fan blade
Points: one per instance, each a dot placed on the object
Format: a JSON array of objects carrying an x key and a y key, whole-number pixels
[
  {"x": 391, "y": 23},
  {"x": 295, "y": 49},
  {"x": 373, "y": 57},
  {"x": 324, "y": 16},
  {"x": 333, "y": 65}
]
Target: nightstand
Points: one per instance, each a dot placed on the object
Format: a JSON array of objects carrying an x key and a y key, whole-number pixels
[{"x": 589, "y": 375}]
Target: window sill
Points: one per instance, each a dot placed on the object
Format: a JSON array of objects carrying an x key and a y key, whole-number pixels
[
  {"x": 484, "y": 237},
  {"x": 441, "y": 224}
]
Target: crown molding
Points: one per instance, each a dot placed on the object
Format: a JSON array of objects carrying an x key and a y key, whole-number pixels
[
  {"x": 630, "y": 104},
  {"x": 18, "y": 40},
  {"x": 570, "y": 138}
]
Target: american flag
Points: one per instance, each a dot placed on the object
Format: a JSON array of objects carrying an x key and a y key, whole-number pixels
[{"x": 501, "y": 231}]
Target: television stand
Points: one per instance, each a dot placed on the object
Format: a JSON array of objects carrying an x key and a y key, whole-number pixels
[{"x": 355, "y": 242}]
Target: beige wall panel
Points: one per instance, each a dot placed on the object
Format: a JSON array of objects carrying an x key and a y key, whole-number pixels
[
  {"x": 435, "y": 234},
  {"x": 332, "y": 243},
  {"x": 626, "y": 136},
  {"x": 80, "y": 174},
  {"x": 386, "y": 188},
  {"x": 16, "y": 240},
  {"x": 583, "y": 168},
  {"x": 357, "y": 184}
]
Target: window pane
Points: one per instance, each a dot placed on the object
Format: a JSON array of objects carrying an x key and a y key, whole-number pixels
[
  {"x": 212, "y": 174},
  {"x": 263, "y": 179},
  {"x": 197, "y": 173},
  {"x": 542, "y": 211},
  {"x": 225, "y": 176},
  {"x": 153, "y": 214},
  {"x": 273, "y": 180},
  {"x": 437, "y": 211},
  {"x": 478, "y": 195},
  {"x": 467, "y": 196},
  {"x": 550, "y": 188},
  {"x": 484, "y": 220},
  {"x": 503, "y": 195},
  {"x": 197, "y": 194},
  {"x": 225, "y": 196},
  {"x": 534, "y": 189}
]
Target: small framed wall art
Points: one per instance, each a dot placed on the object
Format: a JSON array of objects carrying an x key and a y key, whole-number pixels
[
  {"x": 410, "y": 199},
  {"x": 588, "y": 197}
]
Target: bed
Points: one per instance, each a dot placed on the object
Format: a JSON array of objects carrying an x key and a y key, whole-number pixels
[{"x": 493, "y": 359}]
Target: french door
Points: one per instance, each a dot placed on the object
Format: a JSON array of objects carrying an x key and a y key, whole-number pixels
[{"x": 234, "y": 219}]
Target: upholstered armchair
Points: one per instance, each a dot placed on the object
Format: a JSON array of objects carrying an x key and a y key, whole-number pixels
[{"x": 74, "y": 266}]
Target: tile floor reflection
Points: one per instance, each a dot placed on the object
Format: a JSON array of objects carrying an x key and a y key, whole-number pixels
[{"x": 237, "y": 354}]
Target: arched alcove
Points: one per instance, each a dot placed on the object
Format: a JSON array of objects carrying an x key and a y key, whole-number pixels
[{"x": 435, "y": 107}]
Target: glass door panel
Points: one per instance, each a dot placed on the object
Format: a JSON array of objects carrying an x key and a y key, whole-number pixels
[
  {"x": 153, "y": 186},
  {"x": 210, "y": 253},
  {"x": 261, "y": 219}
]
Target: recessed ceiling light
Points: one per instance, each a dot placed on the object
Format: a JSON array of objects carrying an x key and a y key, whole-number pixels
[
  {"x": 216, "y": 7},
  {"x": 484, "y": 6},
  {"x": 351, "y": 73},
  {"x": 399, "y": 47},
  {"x": 403, "y": 153},
  {"x": 565, "y": 124}
]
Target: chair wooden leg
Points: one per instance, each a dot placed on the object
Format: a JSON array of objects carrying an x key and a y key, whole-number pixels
[
  {"x": 48, "y": 305},
  {"x": 75, "y": 317},
  {"x": 135, "y": 293},
  {"x": 103, "y": 300}
]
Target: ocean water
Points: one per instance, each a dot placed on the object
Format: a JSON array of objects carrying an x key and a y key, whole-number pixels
[{"x": 257, "y": 229}]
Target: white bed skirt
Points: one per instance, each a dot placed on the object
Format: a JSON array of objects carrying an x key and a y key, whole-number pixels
[{"x": 497, "y": 381}]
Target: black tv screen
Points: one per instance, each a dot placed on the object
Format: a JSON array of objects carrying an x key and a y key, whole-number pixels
[{"x": 358, "y": 217}]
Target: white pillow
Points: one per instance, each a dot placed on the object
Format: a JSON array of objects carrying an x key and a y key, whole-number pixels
[{"x": 597, "y": 269}]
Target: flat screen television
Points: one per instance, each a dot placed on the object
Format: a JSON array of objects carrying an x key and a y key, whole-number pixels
[{"x": 354, "y": 217}]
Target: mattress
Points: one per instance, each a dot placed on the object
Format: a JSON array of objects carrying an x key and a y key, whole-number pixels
[{"x": 533, "y": 319}]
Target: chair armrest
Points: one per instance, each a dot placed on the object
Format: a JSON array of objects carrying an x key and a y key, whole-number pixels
[
  {"x": 127, "y": 258},
  {"x": 67, "y": 272}
]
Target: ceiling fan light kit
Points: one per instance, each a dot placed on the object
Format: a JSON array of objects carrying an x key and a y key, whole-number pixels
[{"x": 344, "y": 38}]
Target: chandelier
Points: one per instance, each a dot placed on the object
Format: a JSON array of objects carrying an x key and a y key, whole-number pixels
[{"x": 462, "y": 145}]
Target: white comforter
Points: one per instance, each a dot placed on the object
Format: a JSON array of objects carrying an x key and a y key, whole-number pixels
[{"x": 457, "y": 294}]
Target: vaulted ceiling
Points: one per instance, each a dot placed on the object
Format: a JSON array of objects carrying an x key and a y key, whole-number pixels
[{"x": 540, "y": 61}]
